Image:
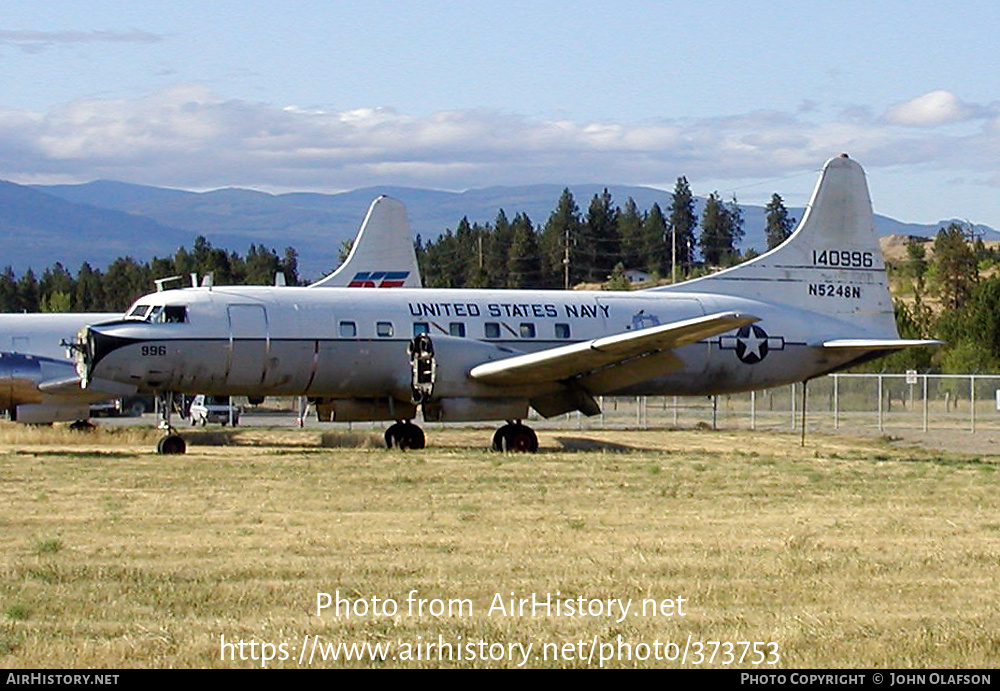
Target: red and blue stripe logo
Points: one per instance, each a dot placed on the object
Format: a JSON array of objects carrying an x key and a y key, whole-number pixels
[{"x": 378, "y": 279}]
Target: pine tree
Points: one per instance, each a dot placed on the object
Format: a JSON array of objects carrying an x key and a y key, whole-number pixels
[
  {"x": 957, "y": 269},
  {"x": 559, "y": 237},
  {"x": 714, "y": 230},
  {"x": 630, "y": 235},
  {"x": 28, "y": 294},
  {"x": 289, "y": 265},
  {"x": 618, "y": 280},
  {"x": 779, "y": 224},
  {"x": 721, "y": 231},
  {"x": 656, "y": 242},
  {"x": 734, "y": 231},
  {"x": 8, "y": 290},
  {"x": 89, "y": 290},
  {"x": 496, "y": 247},
  {"x": 601, "y": 246},
  {"x": 56, "y": 279},
  {"x": 524, "y": 265},
  {"x": 682, "y": 222}
]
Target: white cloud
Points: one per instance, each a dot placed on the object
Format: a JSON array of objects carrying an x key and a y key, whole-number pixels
[
  {"x": 36, "y": 41},
  {"x": 189, "y": 136},
  {"x": 930, "y": 110}
]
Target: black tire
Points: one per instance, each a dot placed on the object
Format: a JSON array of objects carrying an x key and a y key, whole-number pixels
[
  {"x": 519, "y": 439},
  {"x": 171, "y": 444},
  {"x": 403, "y": 436}
]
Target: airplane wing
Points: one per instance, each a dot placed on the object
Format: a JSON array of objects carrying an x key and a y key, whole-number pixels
[
  {"x": 70, "y": 385},
  {"x": 576, "y": 359}
]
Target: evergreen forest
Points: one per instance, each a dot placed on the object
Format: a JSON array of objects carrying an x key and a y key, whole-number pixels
[{"x": 947, "y": 287}]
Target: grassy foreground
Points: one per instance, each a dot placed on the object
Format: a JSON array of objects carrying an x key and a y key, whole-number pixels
[{"x": 845, "y": 553}]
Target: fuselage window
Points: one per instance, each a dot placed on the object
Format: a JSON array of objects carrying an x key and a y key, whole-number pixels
[
  {"x": 421, "y": 328},
  {"x": 492, "y": 330},
  {"x": 384, "y": 329},
  {"x": 527, "y": 330},
  {"x": 348, "y": 330},
  {"x": 562, "y": 330},
  {"x": 457, "y": 329}
]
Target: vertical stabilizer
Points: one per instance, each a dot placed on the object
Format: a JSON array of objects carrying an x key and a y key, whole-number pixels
[
  {"x": 831, "y": 264},
  {"x": 382, "y": 255}
]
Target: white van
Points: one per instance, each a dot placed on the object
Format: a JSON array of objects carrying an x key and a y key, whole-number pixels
[{"x": 205, "y": 409}]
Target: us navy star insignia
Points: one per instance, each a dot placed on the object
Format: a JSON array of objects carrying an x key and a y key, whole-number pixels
[{"x": 751, "y": 343}]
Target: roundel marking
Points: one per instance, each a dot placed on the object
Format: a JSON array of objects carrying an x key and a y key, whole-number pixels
[{"x": 751, "y": 344}]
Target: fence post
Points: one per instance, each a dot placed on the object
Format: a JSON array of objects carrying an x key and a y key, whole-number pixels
[
  {"x": 972, "y": 400},
  {"x": 880, "y": 425},
  {"x": 925, "y": 402},
  {"x": 836, "y": 401}
]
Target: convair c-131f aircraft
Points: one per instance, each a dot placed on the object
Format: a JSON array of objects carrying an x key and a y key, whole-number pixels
[
  {"x": 817, "y": 303},
  {"x": 38, "y": 379}
]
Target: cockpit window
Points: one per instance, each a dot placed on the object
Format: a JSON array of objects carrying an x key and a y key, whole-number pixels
[
  {"x": 158, "y": 314},
  {"x": 138, "y": 312}
]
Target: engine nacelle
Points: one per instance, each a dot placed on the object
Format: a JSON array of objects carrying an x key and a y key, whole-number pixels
[
  {"x": 41, "y": 413},
  {"x": 20, "y": 377},
  {"x": 441, "y": 384}
]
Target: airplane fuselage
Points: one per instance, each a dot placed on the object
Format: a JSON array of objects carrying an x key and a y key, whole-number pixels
[{"x": 344, "y": 343}]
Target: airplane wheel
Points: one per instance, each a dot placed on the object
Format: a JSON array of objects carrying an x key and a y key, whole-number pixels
[
  {"x": 171, "y": 444},
  {"x": 516, "y": 438},
  {"x": 404, "y": 435}
]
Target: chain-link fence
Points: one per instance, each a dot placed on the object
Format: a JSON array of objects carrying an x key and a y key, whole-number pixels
[
  {"x": 840, "y": 402},
  {"x": 876, "y": 402}
]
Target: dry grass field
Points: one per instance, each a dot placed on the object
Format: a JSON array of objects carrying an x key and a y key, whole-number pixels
[{"x": 845, "y": 553}]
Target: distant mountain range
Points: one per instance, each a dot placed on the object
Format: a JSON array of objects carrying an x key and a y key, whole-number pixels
[{"x": 99, "y": 221}]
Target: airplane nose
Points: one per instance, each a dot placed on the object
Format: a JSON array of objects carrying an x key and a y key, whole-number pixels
[{"x": 93, "y": 345}]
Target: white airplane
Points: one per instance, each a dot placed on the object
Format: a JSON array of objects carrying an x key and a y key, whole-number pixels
[
  {"x": 816, "y": 304},
  {"x": 38, "y": 379},
  {"x": 38, "y": 383}
]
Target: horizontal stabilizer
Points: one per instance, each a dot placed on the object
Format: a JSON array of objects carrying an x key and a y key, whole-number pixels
[
  {"x": 576, "y": 359},
  {"x": 864, "y": 345}
]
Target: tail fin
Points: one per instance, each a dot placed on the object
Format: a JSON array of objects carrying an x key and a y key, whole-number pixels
[
  {"x": 830, "y": 264},
  {"x": 382, "y": 255}
]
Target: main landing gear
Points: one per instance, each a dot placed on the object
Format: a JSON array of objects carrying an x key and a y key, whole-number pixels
[
  {"x": 172, "y": 443},
  {"x": 514, "y": 437},
  {"x": 404, "y": 435}
]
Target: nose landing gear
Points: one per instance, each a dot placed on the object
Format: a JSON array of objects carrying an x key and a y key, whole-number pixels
[{"x": 172, "y": 443}]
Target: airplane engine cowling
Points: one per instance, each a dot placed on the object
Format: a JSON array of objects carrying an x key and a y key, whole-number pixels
[
  {"x": 42, "y": 413},
  {"x": 19, "y": 377},
  {"x": 441, "y": 384}
]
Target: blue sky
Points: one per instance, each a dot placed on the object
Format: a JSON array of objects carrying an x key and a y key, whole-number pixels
[{"x": 746, "y": 98}]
